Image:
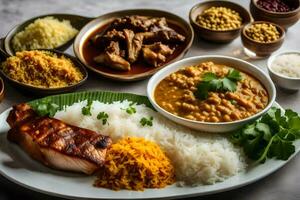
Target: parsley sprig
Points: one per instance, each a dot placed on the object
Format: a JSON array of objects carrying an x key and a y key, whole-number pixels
[
  {"x": 45, "y": 108},
  {"x": 211, "y": 83},
  {"x": 86, "y": 110},
  {"x": 103, "y": 116},
  {"x": 130, "y": 110},
  {"x": 271, "y": 136},
  {"x": 146, "y": 121}
]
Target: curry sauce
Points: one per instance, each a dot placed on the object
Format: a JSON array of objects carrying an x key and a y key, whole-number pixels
[{"x": 175, "y": 94}]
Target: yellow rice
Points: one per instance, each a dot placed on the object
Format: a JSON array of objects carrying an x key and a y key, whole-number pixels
[
  {"x": 45, "y": 33},
  {"x": 42, "y": 69},
  {"x": 135, "y": 164}
]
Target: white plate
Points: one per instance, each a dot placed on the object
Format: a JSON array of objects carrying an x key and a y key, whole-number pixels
[{"x": 18, "y": 167}]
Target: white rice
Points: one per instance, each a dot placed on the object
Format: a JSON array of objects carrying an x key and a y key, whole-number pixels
[
  {"x": 198, "y": 158},
  {"x": 287, "y": 65}
]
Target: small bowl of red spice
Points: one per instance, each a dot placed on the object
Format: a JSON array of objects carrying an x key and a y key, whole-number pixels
[{"x": 282, "y": 12}]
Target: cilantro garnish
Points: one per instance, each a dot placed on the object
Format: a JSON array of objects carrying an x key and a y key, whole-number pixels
[
  {"x": 146, "y": 122},
  {"x": 103, "y": 116},
  {"x": 130, "y": 110},
  {"x": 86, "y": 110},
  {"x": 45, "y": 108},
  {"x": 210, "y": 82},
  {"x": 271, "y": 136}
]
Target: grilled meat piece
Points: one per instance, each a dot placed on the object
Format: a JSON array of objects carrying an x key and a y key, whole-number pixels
[
  {"x": 139, "y": 23},
  {"x": 101, "y": 40},
  {"x": 55, "y": 143},
  {"x": 134, "y": 44},
  {"x": 156, "y": 53},
  {"x": 111, "y": 57},
  {"x": 165, "y": 36},
  {"x": 129, "y": 39}
]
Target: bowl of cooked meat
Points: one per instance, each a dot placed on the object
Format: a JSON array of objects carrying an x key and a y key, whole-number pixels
[
  {"x": 211, "y": 93},
  {"x": 131, "y": 45}
]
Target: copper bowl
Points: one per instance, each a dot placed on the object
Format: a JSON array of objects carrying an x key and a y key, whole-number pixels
[
  {"x": 213, "y": 35},
  {"x": 284, "y": 19},
  {"x": 259, "y": 48}
]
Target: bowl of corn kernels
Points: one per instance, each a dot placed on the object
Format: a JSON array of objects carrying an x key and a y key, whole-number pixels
[
  {"x": 218, "y": 21},
  {"x": 262, "y": 38}
]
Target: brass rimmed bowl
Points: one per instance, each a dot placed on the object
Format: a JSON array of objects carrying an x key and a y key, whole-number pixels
[
  {"x": 104, "y": 20},
  {"x": 284, "y": 19},
  {"x": 40, "y": 91},
  {"x": 76, "y": 21},
  {"x": 259, "y": 48},
  {"x": 215, "y": 35}
]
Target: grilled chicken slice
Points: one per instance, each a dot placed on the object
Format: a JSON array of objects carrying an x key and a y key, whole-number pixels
[{"x": 55, "y": 143}]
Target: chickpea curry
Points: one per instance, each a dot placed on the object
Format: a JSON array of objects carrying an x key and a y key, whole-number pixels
[{"x": 239, "y": 97}]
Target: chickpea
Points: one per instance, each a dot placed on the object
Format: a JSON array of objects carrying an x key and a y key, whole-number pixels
[
  {"x": 214, "y": 100},
  {"x": 219, "y": 18},
  {"x": 227, "y": 118},
  {"x": 235, "y": 115},
  {"x": 214, "y": 119},
  {"x": 207, "y": 107},
  {"x": 263, "y": 32}
]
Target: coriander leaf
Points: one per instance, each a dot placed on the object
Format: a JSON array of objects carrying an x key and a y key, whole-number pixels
[
  {"x": 289, "y": 113},
  {"x": 271, "y": 136},
  {"x": 210, "y": 82},
  {"x": 146, "y": 122},
  {"x": 281, "y": 149},
  {"x": 265, "y": 129},
  {"x": 228, "y": 85},
  {"x": 86, "y": 110},
  {"x": 45, "y": 108},
  {"x": 234, "y": 75},
  {"x": 103, "y": 116},
  {"x": 42, "y": 109},
  {"x": 252, "y": 147},
  {"x": 294, "y": 123},
  {"x": 131, "y": 110},
  {"x": 209, "y": 76},
  {"x": 216, "y": 85},
  {"x": 202, "y": 90}
]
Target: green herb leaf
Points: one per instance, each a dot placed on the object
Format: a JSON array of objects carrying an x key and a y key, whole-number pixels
[
  {"x": 86, "y": 110},
  {"x": 271, "y": 136},
  {"x": 146, "y": 122},
  {"x": 202, "y": 90},
  {"x": 131, "y": 110},
  {"x": 103, "y": 116},
  {"x": 45, "y": 108},
  {"x": 234, "y": 75},
  {"x": 210, "y": 82},
  {"x": 228, "y": 85},
  {"x": 209, "y": 76},
  {"x": 281, "y": 149}
]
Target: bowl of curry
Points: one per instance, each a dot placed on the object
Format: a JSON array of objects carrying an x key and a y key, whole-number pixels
[{"x": 211, "y": 93}]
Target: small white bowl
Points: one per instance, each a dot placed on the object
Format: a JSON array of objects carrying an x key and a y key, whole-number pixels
[
  {"x": 281, "y": 80},
  {"x": 216, "y": 127}
]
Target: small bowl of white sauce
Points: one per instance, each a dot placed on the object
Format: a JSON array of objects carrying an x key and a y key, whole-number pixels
[{"x": 284, "y": 69}]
